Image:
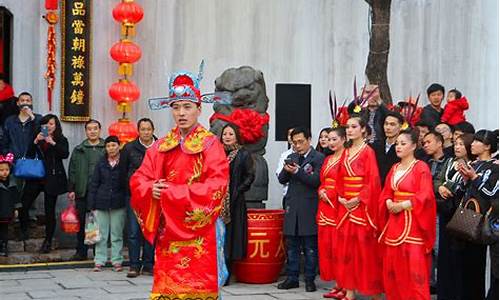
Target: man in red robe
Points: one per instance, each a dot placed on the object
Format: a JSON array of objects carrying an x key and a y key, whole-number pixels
[{"x": 176, "y": 195}]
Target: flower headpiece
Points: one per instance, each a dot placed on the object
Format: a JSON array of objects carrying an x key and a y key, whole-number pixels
[
  {"x": 410, "y": 111},
  {"x": 359, "y": 100},
  {"x": 339, "y": 114},
  {"x": 185, "y": 86},
  {"x": 8, "y": 158}
]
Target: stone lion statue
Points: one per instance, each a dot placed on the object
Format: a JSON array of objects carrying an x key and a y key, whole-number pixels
[{"x": 247, "y": 110}]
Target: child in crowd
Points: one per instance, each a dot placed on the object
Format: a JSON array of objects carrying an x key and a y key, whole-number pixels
[
  {"x": 454, "y": 110},
  {"x": 9, "y": 200}
]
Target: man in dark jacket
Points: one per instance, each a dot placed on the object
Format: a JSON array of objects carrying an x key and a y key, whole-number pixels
[
  {"x": 431, "y": 113},
  {"x": 301, "y": 171},
  {"x": 385, "y": 150},
  {"x": 19, "y": 130},
  {"x": 132, "y": 156},
  {"x": 19, "y": 133},
  {"x": 81, "y": 167},
  {"x": 433, "y": 146},
  {"x": 375, "y": 112}
]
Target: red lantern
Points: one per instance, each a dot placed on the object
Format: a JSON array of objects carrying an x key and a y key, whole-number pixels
[
  {"x": 124, "y": 130},
  {"x": 124, "y": 91},
  {"x": 128, "y": 12},
  {"x": 51, "y": 4},
  {"x": 125, "y": 51}
]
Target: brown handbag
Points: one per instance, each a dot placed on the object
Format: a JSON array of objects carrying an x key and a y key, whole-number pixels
[{"x": 466, "y": 223}]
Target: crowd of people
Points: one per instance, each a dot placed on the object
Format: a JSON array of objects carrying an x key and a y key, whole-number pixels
[
  {"x": 383, "y": 184},
  {"x": 368, "y": 206}
]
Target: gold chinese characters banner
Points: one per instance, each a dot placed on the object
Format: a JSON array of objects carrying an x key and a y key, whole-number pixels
[{"x": 76, "y": 60}]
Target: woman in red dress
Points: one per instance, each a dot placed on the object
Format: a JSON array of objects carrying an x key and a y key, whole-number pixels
[
  {"x": 358, "y": 261},
  {"x": 327, "y": 213},
  {"x": 408, "y": 210}
]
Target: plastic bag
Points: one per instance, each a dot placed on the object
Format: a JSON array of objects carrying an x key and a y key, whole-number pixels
[
  {"x": 92, "y": 233},
  {"x": 69, "y": 219}
]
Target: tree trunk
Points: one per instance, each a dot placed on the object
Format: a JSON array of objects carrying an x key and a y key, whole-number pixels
[{"x": 376, "y": 66}]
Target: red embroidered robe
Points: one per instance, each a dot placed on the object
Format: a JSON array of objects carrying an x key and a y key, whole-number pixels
[
  {"x": 182, "y": 221},
  {"x": 326, "y": 218},
  {"x": 408, "y": 237},
  {"x": 358, "y": 266}
]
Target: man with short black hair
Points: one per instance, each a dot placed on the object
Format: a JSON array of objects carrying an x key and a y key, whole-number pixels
[
  {"x": 433, "y": 146},
  {"x": 19, "y": 130},
  {"x": 385, "y": 150},
  {"x": 81, "y": 168},
  {"x": 375, "y": 112},
  {"x": 431, "y": 113},
  {"x": 423, "y": 128},
  {"x": 445, "y": 131},
  {"x": 131, "y": 158},
  {"x": 301, "y": 171}
]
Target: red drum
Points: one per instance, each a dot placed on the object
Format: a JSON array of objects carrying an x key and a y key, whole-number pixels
[{"x": 266, "y": 247}]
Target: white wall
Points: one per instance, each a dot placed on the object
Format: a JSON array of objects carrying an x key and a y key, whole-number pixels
[{"x": 321, "y": 42}]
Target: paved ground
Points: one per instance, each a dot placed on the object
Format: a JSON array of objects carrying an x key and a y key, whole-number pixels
[{"x": 70, "y": 284}]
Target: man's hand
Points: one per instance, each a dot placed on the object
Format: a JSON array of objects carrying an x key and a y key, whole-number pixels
[
  {"x": 158, "y": 187},
  {"x": 292, "y": 169},
  {"x": 71, "y": 196},
  {"x": 29, "y": 112}
]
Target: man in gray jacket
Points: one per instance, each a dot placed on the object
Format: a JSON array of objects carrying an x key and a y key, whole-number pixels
[{"x": 301, "y": 171}]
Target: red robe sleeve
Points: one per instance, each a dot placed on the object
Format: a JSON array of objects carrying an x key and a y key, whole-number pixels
[
  {"x": 331, "y": 191},
  {"x": 188, "y": 208},
  {"x": 424, "y": 204},
  {"x": 370, "y": 192},
  {"x": 145, "y": 207},
  {"x": 387, "y": 193}
]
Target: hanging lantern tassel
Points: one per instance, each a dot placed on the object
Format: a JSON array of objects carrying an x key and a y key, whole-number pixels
[
  {"x": 50, "y": 75},
  {"x": 125, "y": 69},
  {"x": 124, "y": 107},
  {"x": 128, "y": 30}
]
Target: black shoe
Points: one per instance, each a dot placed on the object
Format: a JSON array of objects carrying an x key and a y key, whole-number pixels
[
  {"x": 24, "y": 235},
  {"x": 310, "y": 286},
  {"x": 147, "y": 271},
  {"x": 78, "y": 257},
  {"x": 133, "y": 272},
  {"x": 46, "y": 247},
  {"x": 433, "y": 290},
  {"x": 288, "y": 284},
  {"x": 3, "y": 248}
]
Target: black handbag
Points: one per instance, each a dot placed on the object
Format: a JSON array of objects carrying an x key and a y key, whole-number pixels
[
  {"x": 466, "y": 223},
  {"x": 489, "y": 230}
]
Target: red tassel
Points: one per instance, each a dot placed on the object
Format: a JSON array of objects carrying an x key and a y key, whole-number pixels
[
  {"x": 49, "y": 98},
  {"x": 51, "y": 4}
]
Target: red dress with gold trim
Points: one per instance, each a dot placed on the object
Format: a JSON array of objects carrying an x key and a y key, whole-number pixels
[
  {"x": 326, "y": 216},
  {"x": 358, "y": 259},
  {"x": 408, "y": 237},
  {"x": 182, "y": 221}
]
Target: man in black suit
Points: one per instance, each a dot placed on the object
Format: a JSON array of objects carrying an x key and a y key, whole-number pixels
[
  {"x": 385, "y": 150},
  {"x": 301, "y": 172}
]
